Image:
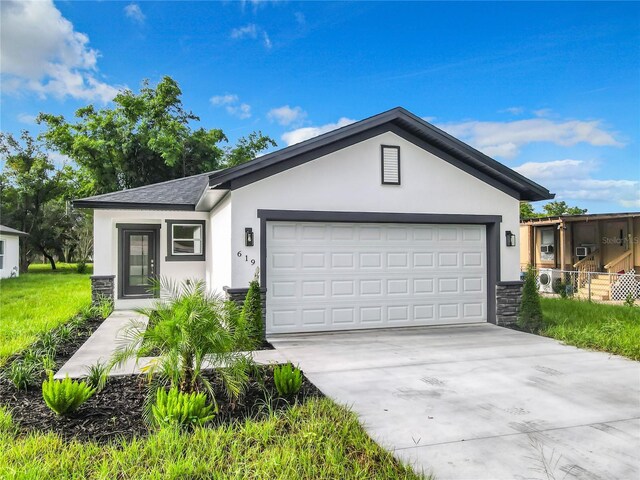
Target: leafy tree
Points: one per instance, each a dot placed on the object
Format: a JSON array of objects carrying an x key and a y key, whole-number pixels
[
  {"x": 32, "y": 193},
  {"x": 247, "y": 148},
  {"x": 551, "y": 209},
  {"x": 527, "y": 211},
  {"x": 558, "y": 208},
  {"x": 144, "y": 138}
]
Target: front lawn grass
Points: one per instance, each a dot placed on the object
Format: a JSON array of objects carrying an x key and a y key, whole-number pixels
[
  {"x": 315, "y": 440},
  {"x": 35, "y": 303},
  {"x": 610, "y": 328}
]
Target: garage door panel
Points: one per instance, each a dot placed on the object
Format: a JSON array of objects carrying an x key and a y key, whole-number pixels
[{"x": 324, "y": 276}]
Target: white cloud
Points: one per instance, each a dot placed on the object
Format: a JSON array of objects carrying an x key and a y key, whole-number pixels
[
  {"x": 241, "y": 111},
  {"x": 266, "y": 40},
  {"x": 59, "y": 159},
  {"x": 41, "y": 52},
  {"x": 253, "y": 32},
  {"x": 300, "y": 18},
  {"x": 232, "y": 105},
  {"x": 573, "y": 180},
  {"x": 286, "y": 115},
  {"x": 543, "y": 112},
  {"x": 514, "y": 110},
  {"x": 226, "y": 99},
  {"x": 26, "y": 118},
  {"x": 134, "y": 12},
  {"x": 505, "y": 139},
  {"x": 248, "y": 31},
  {"x": 305, "y": 133}
]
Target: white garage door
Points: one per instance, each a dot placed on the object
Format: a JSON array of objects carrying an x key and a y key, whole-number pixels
[{"x": 342, "y": 276}]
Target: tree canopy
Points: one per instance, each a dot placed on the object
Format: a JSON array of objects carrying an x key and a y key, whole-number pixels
[
  {"x": 144, "y": 138},
  {"x": 32, "y": 195},
  {"x": 551, "y": 209}
]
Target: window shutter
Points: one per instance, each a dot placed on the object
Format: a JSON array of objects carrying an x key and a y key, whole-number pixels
[{"x": 390, "y": 165}]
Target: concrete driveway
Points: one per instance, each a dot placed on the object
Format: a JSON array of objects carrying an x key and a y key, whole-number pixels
[{"x": 481, "y": 401}]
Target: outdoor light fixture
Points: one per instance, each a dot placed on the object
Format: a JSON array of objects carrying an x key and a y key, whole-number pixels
[
  {"x": 511, "y": 238},
  {"x": 248, "y": 237}
]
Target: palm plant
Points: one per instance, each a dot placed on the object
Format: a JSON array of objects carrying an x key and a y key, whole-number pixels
[{"x": 188, "y": 327}]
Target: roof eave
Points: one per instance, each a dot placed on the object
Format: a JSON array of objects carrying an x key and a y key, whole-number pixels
[{"x": 131, "y": 205}]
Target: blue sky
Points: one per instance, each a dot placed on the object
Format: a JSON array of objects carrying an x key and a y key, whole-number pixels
[{"x": 550, "y": 89}]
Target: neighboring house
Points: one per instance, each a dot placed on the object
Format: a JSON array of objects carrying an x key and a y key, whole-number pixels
[
  {"x": 604, "y": 243},
  {"x": 10, "y": 251},
  {"x": 386, "y": 222}
]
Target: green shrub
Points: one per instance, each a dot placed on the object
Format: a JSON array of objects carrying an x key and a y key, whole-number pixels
[
  {"x": 97, "y": 375},
  {"x": 561, "y": 288},
  {"x": 630, "y": 300},
  {"x": 64, "y": 396},
  {"x": 288, "y": 379},
  {"x": 252, "y": 310},
  {"x": 530, "y": 315},
  {"x": 175, "y": 408},
  {"x": 23, "y": 374},
  {"x": 81, "y": 267}
]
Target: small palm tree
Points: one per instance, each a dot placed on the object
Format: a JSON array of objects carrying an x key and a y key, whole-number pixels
[{"x": 187, "y": 327}]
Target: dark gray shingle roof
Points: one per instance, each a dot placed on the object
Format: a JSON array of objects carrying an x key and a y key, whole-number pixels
[{"x": 178, "y": 194}]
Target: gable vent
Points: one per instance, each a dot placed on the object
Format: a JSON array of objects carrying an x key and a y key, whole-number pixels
[{"x": 390, "y": 165}]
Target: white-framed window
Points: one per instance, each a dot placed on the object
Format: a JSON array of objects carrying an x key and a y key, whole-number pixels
[
  {"x": 1, "y": 254},
  {"x": 185, "y": 240}
]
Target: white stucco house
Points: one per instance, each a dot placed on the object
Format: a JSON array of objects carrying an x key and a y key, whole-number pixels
[
  {"x": 10, "y": 251},
  {"x": 386, "y": 222}
]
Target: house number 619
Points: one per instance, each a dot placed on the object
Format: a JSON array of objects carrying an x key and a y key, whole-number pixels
[{"x": 246, "y": 257}]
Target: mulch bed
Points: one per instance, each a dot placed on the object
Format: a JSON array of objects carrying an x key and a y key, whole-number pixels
[
  {"x": 65, "y": 351},
  {"x": 117, "y": 411}
]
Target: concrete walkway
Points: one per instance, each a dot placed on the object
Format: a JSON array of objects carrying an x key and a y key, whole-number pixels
[
  {"x": 482, "y": 402},
  {"x": 112, "y": 334}
]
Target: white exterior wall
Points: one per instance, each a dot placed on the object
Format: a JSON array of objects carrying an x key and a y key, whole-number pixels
[
  {"x": 350, "y": 180},
  {"x": 219, "y": 231},
  {"x": 11, "y": 255},
  {"x": 106, "y": 245}
]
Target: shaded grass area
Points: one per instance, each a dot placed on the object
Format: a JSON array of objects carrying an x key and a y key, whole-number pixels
[
  {"x": 610, "y": 328},
  {"x": 37, "y": 302},
  {"x": 315, "y": 440},
  {"x": 60, "y": 268}
]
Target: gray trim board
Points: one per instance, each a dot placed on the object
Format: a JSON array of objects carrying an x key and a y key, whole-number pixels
[
  {"x": 492, "y": 223},
  {"x": 185, "y": 258}
]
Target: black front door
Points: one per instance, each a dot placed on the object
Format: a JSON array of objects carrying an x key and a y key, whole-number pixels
[{"x": 138, "y": 261}]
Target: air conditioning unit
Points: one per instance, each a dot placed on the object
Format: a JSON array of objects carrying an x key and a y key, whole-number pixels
[
  {"x": 583, "y": 251},
  {"x": 547, "y": 277},
  {"x": 546, "y": 248}
]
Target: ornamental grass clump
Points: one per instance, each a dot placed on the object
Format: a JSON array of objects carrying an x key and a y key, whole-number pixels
[
  {"x": 288, "y": 379},
  {"x": 23, "y": 373},
  {"x": 65, "y": 396},
  {"x": 97, "y": 375},
  {"x": 177, "y": 409}
]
